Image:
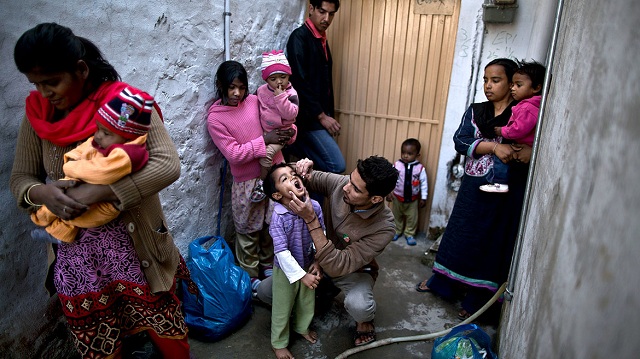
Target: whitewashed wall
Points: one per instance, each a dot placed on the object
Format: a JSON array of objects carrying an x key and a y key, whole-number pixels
[
  {"x": 478, "y": 43},
  {"x": 169, "y": 48}
]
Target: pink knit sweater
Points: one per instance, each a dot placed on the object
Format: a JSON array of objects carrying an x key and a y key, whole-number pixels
[
  {"x": 522, "y": 124},
  {"x": 277, "y": 111},
  {"x": 237, "y": 133}
]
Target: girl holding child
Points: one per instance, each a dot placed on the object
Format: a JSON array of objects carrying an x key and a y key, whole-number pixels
[
  {"x": 475, "y": 254},
  {"x": 234, "y": 125}
]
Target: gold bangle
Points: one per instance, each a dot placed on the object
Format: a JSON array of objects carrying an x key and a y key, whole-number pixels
[
  {"x": 494, "y": 148},
  {"x": 28, "y": 199}
]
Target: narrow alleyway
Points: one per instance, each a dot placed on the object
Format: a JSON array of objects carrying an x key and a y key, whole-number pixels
[{"x": 401, "y": 311}]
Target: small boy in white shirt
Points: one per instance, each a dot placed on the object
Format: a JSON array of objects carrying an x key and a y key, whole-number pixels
[{"x": 295, "y": 273}]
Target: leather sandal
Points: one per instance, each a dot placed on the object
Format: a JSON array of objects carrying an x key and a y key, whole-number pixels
[{"x": 366, "y": 337}]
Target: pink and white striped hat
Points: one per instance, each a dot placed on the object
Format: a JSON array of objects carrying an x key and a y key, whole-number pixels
[{"x": 274, "y": 62}]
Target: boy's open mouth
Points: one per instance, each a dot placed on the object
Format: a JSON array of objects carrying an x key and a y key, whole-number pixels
[{"x": 298, "y": 185}]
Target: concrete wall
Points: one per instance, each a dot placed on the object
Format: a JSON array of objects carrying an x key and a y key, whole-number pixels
[
  {"x": 169, "y": 48},
  {"x": 576, "y": 293},
  {"x": 478, "y": 43}
]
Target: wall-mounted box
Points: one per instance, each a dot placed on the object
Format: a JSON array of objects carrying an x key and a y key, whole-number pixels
[{"x": 499, "y": 11}]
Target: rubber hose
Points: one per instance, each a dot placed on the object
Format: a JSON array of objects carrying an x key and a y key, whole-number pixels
[{"x": 379, "y": 343}]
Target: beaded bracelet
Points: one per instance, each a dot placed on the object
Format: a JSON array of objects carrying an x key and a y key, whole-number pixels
[{"x": 28, "y": 199}]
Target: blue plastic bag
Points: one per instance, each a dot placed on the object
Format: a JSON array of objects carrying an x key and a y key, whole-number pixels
[
  {"x": 223, "y": 303},
  {"x": 463, "y": 342}
]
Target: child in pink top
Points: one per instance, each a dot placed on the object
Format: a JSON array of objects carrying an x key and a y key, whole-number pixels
[
  {"x": 234, "y": 126},
  {"x": 521, "y": 128},
  {"x": 278, "y": 103}
]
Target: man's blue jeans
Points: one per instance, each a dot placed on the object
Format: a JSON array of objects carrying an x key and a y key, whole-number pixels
[{"x": 319, "y": 147}]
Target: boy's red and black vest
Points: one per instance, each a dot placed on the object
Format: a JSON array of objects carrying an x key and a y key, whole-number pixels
[{"x": 408, "y": 186}]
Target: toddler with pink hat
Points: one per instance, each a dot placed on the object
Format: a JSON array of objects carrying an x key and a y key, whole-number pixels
[{"x": 278, "y": 104}]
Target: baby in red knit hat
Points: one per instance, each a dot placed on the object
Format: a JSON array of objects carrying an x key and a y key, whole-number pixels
[
  {"x": 117, "y": 149},
  {"x": 278, "y": 103}
]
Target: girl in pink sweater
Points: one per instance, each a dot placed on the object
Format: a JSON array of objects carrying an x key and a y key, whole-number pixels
[{"x": 234, "y": 125}]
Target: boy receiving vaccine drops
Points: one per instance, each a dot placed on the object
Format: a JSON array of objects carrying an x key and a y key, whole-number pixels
[{"x": 295, "y": 274}]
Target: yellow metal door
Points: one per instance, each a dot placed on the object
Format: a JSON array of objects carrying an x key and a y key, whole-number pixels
[{"x": 392, "y": 66}]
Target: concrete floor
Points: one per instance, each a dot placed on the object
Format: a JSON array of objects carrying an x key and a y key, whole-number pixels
[{"x": 401, "y": 311}]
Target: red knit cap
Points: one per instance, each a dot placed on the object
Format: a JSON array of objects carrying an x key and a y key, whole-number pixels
[
  {"x": 128, "y": 114},
  {"x": 274, "y": 62}
]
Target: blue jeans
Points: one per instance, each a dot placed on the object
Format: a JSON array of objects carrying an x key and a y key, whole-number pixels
[
  {"x": 500, "y": 171},
  {"x": 319, "y": 147}
]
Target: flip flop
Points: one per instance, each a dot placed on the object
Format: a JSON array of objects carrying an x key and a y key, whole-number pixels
[
  {"x": 257, "y": 196},
  {"x": 257, "y": 193},
  {"x": 463, "y": 315},
  {"x": 421, "y": 290},
  {"x": 371, "y": 334}
]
